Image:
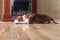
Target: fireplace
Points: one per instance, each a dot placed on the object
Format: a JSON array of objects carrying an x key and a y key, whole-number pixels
[
  {"x": 24, "y": 6},
  {"x": 20, "y": 7}
]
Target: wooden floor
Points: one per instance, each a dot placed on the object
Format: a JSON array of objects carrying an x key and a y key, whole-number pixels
[{"x": 9, "y": 31}]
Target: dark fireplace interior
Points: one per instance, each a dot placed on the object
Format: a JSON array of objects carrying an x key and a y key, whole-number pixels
[{"x": 20, "y": 7}]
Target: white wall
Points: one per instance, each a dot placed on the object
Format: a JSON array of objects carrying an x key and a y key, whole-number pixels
[{"x": 49, "y": 7}]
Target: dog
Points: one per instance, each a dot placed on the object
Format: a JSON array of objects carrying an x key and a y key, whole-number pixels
[{"x": 23, "y": 19}]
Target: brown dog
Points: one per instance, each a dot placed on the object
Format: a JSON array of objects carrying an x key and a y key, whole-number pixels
[{"x": 23, "y": 19}]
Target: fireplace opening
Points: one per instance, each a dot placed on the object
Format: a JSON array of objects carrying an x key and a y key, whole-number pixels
[{"x": 20, "y": 7}]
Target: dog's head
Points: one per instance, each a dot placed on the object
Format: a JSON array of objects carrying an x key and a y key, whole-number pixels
[{"x": 28, "y": 16}]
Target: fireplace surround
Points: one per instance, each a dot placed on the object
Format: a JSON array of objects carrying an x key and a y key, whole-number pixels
[{"x": 7, "y": 11}]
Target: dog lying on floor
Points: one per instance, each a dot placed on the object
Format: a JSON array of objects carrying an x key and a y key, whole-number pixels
[
  {"x": 34, "y": 18},
  {"x": 23, "y": 19}
]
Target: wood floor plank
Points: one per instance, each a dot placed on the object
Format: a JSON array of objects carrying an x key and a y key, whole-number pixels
[
  {"x": 49, "y": 35},
  {"x": 10, "y": 31}
]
